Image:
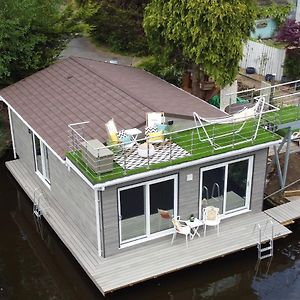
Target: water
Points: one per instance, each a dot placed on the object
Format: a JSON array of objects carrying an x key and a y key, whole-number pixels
[{"x": 34, "y": 264}]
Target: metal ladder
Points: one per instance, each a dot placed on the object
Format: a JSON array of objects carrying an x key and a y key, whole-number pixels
[
  {"x": 38, "y": 199},
  {"x": 265, "y": 251}
]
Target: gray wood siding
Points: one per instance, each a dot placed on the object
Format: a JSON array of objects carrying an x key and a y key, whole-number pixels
[
  {"x": 188, "y": 197},
  {"x": 259, "y": 180},
  {"x": 23, "y": 141},
  {"x": 67, "y": 188},
  {"x": 75, "y": 196}
]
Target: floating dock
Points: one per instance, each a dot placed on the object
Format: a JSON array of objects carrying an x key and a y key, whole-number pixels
[{"x": 157, "y": 257}]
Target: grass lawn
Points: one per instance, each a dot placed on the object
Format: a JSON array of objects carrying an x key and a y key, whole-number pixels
[{"x": 189, "y": 141}]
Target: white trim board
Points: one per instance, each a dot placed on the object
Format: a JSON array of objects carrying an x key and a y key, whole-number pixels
[
  {"x": 161, "y": 171},
  {"x": 19, "y": 116}
]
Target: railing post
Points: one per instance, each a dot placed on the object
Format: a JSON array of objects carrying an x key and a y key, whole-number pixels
[
  {"x": 192, "y": 143},
  {"x": 148, "y": 158},
  {"x": 124, "y": 157},
  {"x": 170, "y": 147}
]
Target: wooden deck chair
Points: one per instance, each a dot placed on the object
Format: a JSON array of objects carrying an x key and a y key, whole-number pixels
[
  {"x": 239, "y": 118},
  {"x": 155, "y": 127},
  {"x": 114, "y": 135},
  {"x": 112, "y": 131},
  {"x": 155, "y": 118}
]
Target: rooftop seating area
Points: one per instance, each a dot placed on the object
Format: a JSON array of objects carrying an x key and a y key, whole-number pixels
[{"x": 112, "y": 160}]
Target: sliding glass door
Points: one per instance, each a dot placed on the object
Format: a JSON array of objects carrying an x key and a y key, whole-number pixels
[
  {"x": 226, "y": 186},
  {"x": 138, "y": 208},
  {"x": 41, "y": 159}
]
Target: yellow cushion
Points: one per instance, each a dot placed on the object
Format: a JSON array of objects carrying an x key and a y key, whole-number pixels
[
  {"x": 155, "y": 136},
  {"x": 114, "y": 138}
]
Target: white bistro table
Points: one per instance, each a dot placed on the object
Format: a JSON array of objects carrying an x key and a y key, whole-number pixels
[
  {"x": 194, "y": 225},
  {"x": 134, "y": 132}
]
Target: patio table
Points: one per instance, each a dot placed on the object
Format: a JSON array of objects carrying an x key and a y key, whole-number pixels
[
  {"x": 194, "y": 225},
  {"x": 134, "y": 132}
]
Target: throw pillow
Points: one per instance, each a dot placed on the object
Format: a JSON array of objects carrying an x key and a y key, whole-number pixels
[{"x": 162, "y": 127}]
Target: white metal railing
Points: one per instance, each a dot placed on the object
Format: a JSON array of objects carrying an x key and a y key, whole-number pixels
[
  {"x": 89, "y": 159},
  {"x": 281, "y": 91}
]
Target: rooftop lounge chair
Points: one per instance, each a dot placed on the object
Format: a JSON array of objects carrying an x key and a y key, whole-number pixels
[
  {"x": 155, "y": 127},
  {"x": 119, "y": 137}
]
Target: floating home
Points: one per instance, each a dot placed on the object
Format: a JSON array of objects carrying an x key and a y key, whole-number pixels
[{"x": 102, "y": 194}]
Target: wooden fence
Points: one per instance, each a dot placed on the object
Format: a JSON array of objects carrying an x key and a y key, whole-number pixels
[{"x": 265, "y": 59}]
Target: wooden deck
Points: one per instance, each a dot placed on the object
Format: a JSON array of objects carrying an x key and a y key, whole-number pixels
[
  {"x": 155, "y": 258},
  {"x": 285, "y": 213}
]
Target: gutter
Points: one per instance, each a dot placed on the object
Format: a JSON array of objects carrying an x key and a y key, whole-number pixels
[{"x": 103, "y": 185}]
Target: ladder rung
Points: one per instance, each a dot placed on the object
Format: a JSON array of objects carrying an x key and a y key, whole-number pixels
[
  {"x": 265, "y": 256},
  {"x": 266, "y": 249}
]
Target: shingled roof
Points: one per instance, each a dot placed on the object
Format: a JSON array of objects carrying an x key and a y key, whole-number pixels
[{"x": 76, "y": 89}]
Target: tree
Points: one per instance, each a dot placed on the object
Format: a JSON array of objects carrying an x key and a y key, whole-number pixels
[
  {"x": 290, "y": 33},
  {"x": 32, "y": 34},
  {"x": 206, "y": 33},
  {"x": 117, "y": 23}
]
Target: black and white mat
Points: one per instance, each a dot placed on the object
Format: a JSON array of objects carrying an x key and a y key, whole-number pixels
[{"x": 167, "y": 152}]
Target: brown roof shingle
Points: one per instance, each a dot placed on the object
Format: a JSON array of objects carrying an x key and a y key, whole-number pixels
[{"x": 77, "y": 89}]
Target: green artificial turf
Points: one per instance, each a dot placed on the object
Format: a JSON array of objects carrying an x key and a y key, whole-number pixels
[
  {"x": 189, "y": 141},
  {"x": 285, "y": 115}
]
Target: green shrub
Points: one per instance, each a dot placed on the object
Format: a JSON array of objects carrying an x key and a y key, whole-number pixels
[
  {"x": 169, "y": 73},
  {"x": 292, "y": 65}
]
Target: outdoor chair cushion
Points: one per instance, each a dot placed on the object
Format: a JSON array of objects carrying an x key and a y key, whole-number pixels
[
  {"x": 155, "y": 136},
  {"x": 114, "y": 137},
  {"x": 212, "y": 214}
]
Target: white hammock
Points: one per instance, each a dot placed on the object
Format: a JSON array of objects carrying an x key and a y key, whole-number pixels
[{"x": 239, "y": 117}]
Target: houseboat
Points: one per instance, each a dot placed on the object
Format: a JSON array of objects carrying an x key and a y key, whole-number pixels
[{"x": 110, "y": 155}]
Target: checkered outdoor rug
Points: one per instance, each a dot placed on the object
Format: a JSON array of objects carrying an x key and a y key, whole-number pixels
[{"x": 162, "y": 153}]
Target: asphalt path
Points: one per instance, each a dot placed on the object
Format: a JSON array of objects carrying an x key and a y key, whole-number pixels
[{"x": 83, "y": 47}]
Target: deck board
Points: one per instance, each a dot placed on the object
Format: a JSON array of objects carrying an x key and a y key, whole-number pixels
[
  {"x": 154, "y": 259},
  {"x": 285, "y": 212}
]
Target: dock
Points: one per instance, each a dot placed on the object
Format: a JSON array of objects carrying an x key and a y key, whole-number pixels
[
  {"x": 156, "y": 258},
  {"x": 285, "y": 213}
]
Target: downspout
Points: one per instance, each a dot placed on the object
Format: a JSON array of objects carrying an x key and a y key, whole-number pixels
[
  {"x": 97, "y": 200},
  {"x": 12, "y": 133}
]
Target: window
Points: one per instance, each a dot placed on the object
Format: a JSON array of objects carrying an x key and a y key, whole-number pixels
[
  {"x": 138, "y": 209},
  {"x": 41, "y": 159},
  {"x": 227, "y": 186}
]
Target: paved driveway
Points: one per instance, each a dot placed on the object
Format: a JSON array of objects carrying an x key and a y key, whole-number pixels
[{"x": 82, "y": 47}]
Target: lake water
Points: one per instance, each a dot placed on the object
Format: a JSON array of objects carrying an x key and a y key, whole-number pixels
[{"x": 34, "y": 264}]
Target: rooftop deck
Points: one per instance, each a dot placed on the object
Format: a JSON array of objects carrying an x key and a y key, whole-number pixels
[
  {"x": 155, "y": 259},
  {"x": 181, "y": 146}
]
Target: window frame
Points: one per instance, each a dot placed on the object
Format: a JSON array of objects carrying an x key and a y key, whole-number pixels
[
  {"x": 226, "y": 164},
  {"x": 148, "y": 235},
  {"x": 44, "y": 161}
]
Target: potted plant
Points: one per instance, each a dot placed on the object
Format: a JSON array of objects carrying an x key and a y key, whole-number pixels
[{"x": 192, "y": 218}]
